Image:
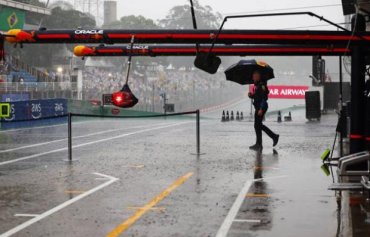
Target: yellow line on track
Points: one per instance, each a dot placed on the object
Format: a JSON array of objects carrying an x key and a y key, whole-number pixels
[
  {"x": 134, "y": 166},
  {"x": 139, "y": 213},
  {"x": 257, "y": 195},
  {"x": 160, "y": 209}
]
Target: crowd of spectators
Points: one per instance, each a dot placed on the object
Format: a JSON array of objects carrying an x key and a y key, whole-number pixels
[
  {"x": 184, "y": 87},
  {"x": 181, "y": 86}
]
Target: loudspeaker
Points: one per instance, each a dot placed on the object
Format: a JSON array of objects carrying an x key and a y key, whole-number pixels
[
  {"x": 207, "y": 62},
  {"x": 348, "y": 7},
  {"x": 360, "y": 21},
  {"x": 313, "y": 110}
]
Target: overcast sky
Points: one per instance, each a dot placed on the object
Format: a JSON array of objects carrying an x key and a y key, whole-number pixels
[
  {"x": 330, "y": 9},
  {"x": 158, "y": 9}
]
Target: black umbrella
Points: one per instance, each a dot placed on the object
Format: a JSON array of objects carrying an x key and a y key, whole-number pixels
[{"x": 242, "y": 71}]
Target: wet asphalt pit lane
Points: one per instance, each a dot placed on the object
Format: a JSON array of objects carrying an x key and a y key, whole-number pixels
[{"x": 148, "y": 162}]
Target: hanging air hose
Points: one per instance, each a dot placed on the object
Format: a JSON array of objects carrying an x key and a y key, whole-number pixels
[
  {"x": 125, "y": 98},
  {"x": 129, "y": 59},
  {"x": 331, "y": 155}
]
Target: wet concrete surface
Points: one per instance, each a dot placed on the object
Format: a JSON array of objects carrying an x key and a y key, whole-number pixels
[{"x": 288, "y": 194}]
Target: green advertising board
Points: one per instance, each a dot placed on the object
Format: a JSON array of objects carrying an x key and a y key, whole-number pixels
[
  {"x": 4, "y": 110},
  {"x": 11, "y": 18}
]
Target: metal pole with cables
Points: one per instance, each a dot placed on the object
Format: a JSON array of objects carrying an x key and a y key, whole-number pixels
[
  {"x": 129, "y": 59},
  {"x": 69, "y": 137}
]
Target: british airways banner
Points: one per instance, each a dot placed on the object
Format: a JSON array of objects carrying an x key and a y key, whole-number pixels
[{"x": 285, "y": 92}]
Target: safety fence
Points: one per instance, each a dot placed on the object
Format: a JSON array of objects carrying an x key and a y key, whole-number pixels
[
  {"x": 20, "y": 91},
  {"x": 70, "y": 115}
]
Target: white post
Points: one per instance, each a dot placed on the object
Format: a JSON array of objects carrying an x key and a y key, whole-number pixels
[{"x": 79, "y": 84}]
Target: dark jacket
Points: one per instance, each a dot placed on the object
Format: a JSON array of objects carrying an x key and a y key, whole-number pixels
[{"x": 260, "y": 96}]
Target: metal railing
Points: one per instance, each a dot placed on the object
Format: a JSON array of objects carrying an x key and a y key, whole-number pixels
[
  {"x": 40, "y": 90},
  {"x": 196, "y": 112},
  {"x": 22, "y": 66}
]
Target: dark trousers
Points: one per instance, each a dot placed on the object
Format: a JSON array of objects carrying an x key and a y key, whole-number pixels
[{"x": 259, "y": 127}]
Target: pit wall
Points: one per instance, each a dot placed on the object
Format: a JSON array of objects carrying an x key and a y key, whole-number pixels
[
  {"x": 95, "y": 108},
  {"x": 35, "y": 113}
]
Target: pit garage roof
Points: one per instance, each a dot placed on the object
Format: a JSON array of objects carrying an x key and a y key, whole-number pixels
[{"x": 25, "y": 7}]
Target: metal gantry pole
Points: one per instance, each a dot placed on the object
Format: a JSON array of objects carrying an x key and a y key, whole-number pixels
[
  {"x": 198, "y": 132},
  {"x": 341, "y": 106},
  {"x": 69, "y": 137},
  {"x": 358, "y": 68}
]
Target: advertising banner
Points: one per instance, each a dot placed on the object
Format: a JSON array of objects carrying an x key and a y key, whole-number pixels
[
  {"x": 285, "y": 92},
  {"x": 36, "y": 109}
]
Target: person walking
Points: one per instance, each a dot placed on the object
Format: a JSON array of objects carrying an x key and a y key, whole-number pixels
[{"x": 260, "y": 97}]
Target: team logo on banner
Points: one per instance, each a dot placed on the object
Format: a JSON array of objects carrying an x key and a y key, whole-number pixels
[
  {"x": 36, "y": 111},
  {"x": 89, "y": 34},
  {"x": 59, "y": 109},
  {"x": 261, "y": 63}
]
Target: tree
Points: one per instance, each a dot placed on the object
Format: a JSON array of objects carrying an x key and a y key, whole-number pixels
[
  {"x": 68, "y": 19},
  {"x": 32, "y": 2},
  {"x": 132, "y": 22},
  {"x": 179, "y": 17}
]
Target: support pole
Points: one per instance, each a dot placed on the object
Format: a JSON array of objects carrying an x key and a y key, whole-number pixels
[
  {"x": 198, "y": 132},
  {"x": 358, "y": 69},
  {"x": 341, "y": 107},
  {"x": 69, "y": 137}
]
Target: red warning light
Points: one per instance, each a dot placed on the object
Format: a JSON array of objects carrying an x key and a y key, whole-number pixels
[
  {"x": 117, "y": 98},
  {"x": 124, "y": 98}
]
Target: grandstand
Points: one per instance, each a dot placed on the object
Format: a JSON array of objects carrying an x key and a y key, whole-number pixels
[{"x": 15, "y": 75}]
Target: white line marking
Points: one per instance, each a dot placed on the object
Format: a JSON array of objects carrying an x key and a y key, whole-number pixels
[
  {"x": 60, "y": 207},
  {"x": 247, "y": 221},
  {"x": 226, "y": 225},
  {"x": 30, "y": 146},
  {"x": 21, "y": 129},
  {"x": 48, "y": 126},
  {"x": 26, "y": 215},
  {"x": 77, "y": 137},
  {"x": 88, "y": 143},
  {"x": 100, "y": 178}
]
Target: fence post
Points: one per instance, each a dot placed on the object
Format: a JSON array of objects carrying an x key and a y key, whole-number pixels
[
  {"x": 69, "y": 137},
  {"x": 198, "y": 132}
]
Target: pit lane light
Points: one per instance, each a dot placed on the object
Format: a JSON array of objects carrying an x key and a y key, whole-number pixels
[{"x": 124, "y": 98}]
